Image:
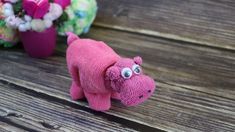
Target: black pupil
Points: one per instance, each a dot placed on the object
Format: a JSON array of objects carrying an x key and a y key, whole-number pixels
[
  {"x": 127, "y": 74},
  {"x": 137, "y": 70}
]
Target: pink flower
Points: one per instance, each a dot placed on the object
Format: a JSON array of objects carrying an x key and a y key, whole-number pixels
[
  {"x": 63, "y": 3},
  {"x": 36, "y": 8}
]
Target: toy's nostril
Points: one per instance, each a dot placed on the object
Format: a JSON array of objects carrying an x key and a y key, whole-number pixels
[
  {"x": 141, "y": 96},
  {"x": 149, "y": 91}
]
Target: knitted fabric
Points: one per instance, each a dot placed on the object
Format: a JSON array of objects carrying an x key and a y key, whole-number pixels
[{"x": 96, "y": 72}]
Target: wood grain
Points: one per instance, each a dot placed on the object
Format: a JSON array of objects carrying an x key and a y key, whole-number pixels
[
  {"x": 196, "y": 84},
  {"x": 5, "y": 127},
  {"x": 176, "y": 63},
  {"x": 205, "y": 22},
  {"x": 38, "y": 113},
  {"x": 171, "y": 108}
]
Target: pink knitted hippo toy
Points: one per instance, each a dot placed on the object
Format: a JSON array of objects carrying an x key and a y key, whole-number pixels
[{"x": 99, "y": 74}]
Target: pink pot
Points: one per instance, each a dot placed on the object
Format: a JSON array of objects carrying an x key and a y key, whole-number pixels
[{"x": 39, "y": 44}]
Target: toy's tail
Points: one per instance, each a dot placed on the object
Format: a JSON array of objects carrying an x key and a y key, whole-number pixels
[{"x": 71, "y": 37}]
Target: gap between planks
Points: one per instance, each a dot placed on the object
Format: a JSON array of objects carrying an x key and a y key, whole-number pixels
[
  {"x": 201, "y": 22},
  {"x": 34, "y": 111},
  {"x": 122, "y": 112},
  {"x": 165, "y": 36},
  {"x": 55, "y": 66},
  {"x": 6, "y": 126}
]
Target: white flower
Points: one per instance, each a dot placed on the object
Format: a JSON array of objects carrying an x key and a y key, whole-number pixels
[
  {"x": 55, "y": 10},
  {"x": 13, "y": 22},
  {"x": 28, "y": 18},
  {"x": 49, "y": 16},
  {"x": 48, "y": 23},
  {"x": 38, "y": 25},
  {"x": 22, "y": 28},
  {"x": 8, "y": 12},
  {"x": 28, "y": 25},
  {"x": 7, "y": 6}
]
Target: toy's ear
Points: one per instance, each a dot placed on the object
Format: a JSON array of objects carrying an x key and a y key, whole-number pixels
[
  {"x": 138, "y": 60},
  {"x": 71, "y": 37},
  {"x": 113, "y": 73}
]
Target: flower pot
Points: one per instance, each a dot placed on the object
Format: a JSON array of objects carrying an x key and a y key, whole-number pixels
[{"x": 39, "y": 44}]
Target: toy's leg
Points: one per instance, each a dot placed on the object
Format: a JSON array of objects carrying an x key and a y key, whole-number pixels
[
  {"x": 76, "y": 91},
  {"x": 99, "y": 102},
  {"x": 115, "y": 95}
]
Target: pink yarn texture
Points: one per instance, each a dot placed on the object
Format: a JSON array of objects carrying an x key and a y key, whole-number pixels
[{"x": 99, "y": 74}]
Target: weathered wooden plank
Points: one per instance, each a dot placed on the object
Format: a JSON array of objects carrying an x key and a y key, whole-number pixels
[
  {"x": 206, "y": 22},
  {"x": 187, "y": 98},
  {"x": 5, "y": 127},
  {"x": 176, "y": 63},
  {"x": 172, "y": 109},
  {"x": 40, "y": 113}
]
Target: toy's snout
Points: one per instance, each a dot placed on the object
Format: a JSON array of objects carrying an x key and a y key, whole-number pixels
[
  {"x": 137, "y": 90},
  {"x": 128, "y": 79}
]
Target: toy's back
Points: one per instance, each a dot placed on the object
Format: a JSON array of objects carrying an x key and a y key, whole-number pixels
[{"x": 91, "y": 59}]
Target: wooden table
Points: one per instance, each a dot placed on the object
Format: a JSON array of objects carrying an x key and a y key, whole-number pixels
[{"x": 188, "y": 47}]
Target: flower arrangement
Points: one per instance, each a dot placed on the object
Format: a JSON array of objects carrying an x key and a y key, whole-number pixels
[
  {"x": 36, "y": 15},
  {"x": 22, "y": 18},
  {"x": 7, "y": 36},
  {"x": 78, "y": 17}
]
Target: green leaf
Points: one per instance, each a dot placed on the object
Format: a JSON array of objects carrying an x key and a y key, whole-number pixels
[
  {"x": 64, "y": 17},
  {"x": 2, "y": 23},
  {"x": 17, "y": 7}
]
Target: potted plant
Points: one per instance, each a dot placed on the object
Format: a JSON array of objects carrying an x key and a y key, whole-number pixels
[
  {"x": 37, "y": 21},
  {"x": 34, "y": 20}
]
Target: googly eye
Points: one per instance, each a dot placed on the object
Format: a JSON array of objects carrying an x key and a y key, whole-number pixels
[
  {"x": 136, "y": 69},
  {"x": 126, "y": 73}
]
